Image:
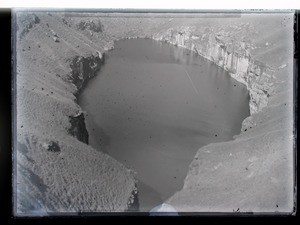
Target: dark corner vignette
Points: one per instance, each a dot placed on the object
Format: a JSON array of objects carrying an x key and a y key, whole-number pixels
[
  {"x": 6, "y": 141},
  {"x": 5, "y": 118}
]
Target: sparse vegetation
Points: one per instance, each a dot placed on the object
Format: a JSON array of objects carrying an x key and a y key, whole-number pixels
[{"x": 91, "y": 25}]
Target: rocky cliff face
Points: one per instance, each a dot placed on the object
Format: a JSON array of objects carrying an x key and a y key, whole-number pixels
[
  {"x": 254, "y": 172},
  {"x": 232, "y": 57},
  {"x": 56, "y": 171},
  {"x": 78, "y": 128},
  {"x": 82, "y": 70}
]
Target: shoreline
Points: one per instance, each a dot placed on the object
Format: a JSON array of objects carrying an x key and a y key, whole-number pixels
[
  {"x": 250, "y": 123},
  {"x": 96, "y": 86}
]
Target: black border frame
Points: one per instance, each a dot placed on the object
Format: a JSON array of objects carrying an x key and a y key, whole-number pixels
[{"x": 6, "y": 137}]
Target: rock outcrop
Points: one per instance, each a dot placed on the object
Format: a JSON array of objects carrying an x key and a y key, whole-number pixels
[
  {"x": 78, "y": 128},
  {"x": 95, "y": 26},
  {"x": 254, "y": 172},
  {"x": 84, "y": 68},
  {"x": 55, "y": 170},
  {"x": 232, "y": 57}
]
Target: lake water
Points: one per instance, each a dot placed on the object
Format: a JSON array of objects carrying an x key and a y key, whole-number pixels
[{"x": 153, "y": 105}]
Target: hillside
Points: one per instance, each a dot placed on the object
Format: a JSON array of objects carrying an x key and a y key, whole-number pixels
[{"x": 57, "y": 171}]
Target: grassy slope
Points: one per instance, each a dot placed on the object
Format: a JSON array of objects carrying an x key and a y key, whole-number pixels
[
  {"x": 253, "y": 172},
  {"x": 78, "y": 177}
]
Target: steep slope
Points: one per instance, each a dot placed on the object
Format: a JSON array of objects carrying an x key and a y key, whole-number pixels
[
  {"x": 57, "y": 171},
  {"x": 254, "y": 172}
]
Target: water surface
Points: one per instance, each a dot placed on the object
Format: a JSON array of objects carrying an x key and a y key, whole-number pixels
[{"x": 153, "y": 105}]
